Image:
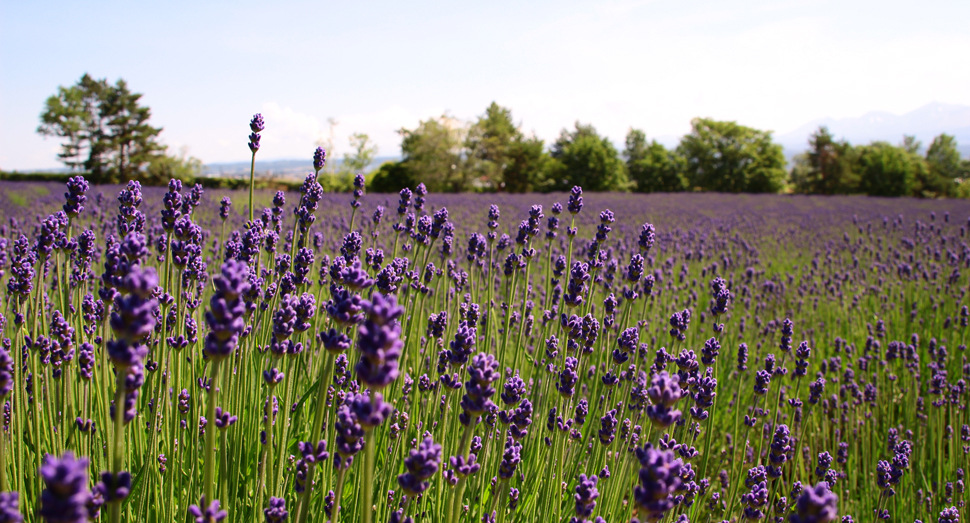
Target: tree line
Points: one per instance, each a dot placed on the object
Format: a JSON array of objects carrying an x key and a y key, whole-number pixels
[
  {"x": 494, "y": 154},
  {"x": 105, "y": 131}
]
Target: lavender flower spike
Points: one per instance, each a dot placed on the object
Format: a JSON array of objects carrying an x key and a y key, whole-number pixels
[
  {"x": 65, "y": 498},
  {"x": 226, "y": 309}
]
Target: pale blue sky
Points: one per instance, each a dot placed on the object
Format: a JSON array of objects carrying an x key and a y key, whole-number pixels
[{"x": 206, "y": 67}]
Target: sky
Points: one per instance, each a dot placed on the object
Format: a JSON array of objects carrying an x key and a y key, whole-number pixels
[{"x": 372, "y": 66}]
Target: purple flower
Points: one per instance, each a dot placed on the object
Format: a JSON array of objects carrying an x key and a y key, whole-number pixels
[
  {"x": 319, "y": 158},
  {"x": 226, "y": 310},
  {"x": 647, "y": 237},
  {"x": 510, "y": 458},
  {"x": 780, "y": 448},
  {"x": 379, "y": 343},
  {"x": 211, "y": 513},
  {"x": 276, "y": 512},
  {"x": 461, "y": 347},
  {"x": 482, "y": 372},
  {"x": 224, "y": 419},
  {"x": 370, "y": 412},
  {"x": 422, "y": 463},
  {"x": 815, "y": 505},
  {"x": 513, "y": 391},
  {"x": 344, "y": 308},
  {"x": 586, "y": 494},
  {"x": 6, "y": 372},
  {"x": 463, "y": 467},
  {"x": 575, "y": 203},
  {"x": 10, "y": 507},
  {"x": 132, "y": 320},
  {"x": 66, "y": 494},
  {"x": 350, "y": 436},
  {"x": 664, "y": 392},
  {"x": 608, "y": 424},
  {"x": 224, "y": 206},
  {"x": 114, "y": 488},
  {"x": 76, "y": 187},
  {"x": 659, "y": 479},
  {"x": 949, "y": 515},
  {"x": 786, "y": 333},
  {"x": 568, "y": 377}
]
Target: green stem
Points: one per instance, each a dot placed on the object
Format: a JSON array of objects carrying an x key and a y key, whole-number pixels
[
  {"x": 325, "y": 369},
  {"x": 210, "y": 433},
  {"x": 252, "y": 183},
  {"x": 370, "y": 451},
  {"x": 118, "y": 452}
]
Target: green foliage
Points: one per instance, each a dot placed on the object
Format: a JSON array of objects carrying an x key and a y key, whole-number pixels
[
  {"x": 364, "y": 152},
  {"x": 163, "y": 167},
  {"x": 499, "y": 156},
  {"x": 946, "y": 169},
  {"x": 827, "y": 167},
  {"x": 107, "y": 123},
  {"x": 583, "y": 157},
  {"x": 887, "y": 170},
  {"x": 433, "y": 154},
  {"x": 391, "y": 177},
  {"x": 651, "y": 166},
  {"x": 727, "y": 157},
  {"x": 527, "y": 165}
]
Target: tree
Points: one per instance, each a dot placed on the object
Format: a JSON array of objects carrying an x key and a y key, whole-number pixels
[
  {"x": 887, "y": 170},
  {"x": 364, "y": 152},
  {"x": 944, "y": 164},
  {"x": 130, "y": 141},
  {"x": 73, "y": 113},
  {"x": 107, "y": 123},
  {"x": 391, "y": 177},
  {"x": 829, "y": 165},
  {"x": 911, "y": 144},
  {"x": 651, "y": 166},
  {"x": 527, "y": 164},
  {"x": 433, "y": 154},
  {"x": 727, "y": 157},
  {"x": 500, "y": 156},
  {"x": 582, "y": 157},
  {"x": 164, "y": 167}
]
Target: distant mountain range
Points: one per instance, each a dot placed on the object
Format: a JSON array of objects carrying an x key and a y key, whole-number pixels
[{"x": 925, "y": 123}]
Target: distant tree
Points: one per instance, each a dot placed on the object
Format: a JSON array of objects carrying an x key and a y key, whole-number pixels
[
  {"x": 489, "y": 142},
  {"x": 828, "y": 166},
  {"x": 727, "y": 157},
  {"x": 583, "y": 157},
  {"x": 363, "y": 152},
  {"x": 500, "y": 157},
  {"x": 636, "y": 146},
  {"x": 799, "y": 178},
  {"x": 130, "y": 141},
  {"x": 391, "y": 177},
  {"x": 107, "y": 123},
  {"x": 434, "y": 155},
  {"x": 164, "y": 167},
  {"x": 946, "y": 169},
  {"x": 528, "y": 163},
  {"x": 651, "y": 166},
  {"x": 911, "y": 144},
  {"x": 887, "y": 170},
  {"x": 74, "y": 114}
]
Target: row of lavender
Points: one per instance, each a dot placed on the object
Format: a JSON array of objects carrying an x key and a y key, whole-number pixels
[{"x": 422, "y": 359}]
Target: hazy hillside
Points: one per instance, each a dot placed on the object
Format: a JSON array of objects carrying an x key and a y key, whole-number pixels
[{"x": 925, "y": 123}]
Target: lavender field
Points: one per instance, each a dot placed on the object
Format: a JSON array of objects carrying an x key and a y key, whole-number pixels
[{"x": 481, "y": 357}]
